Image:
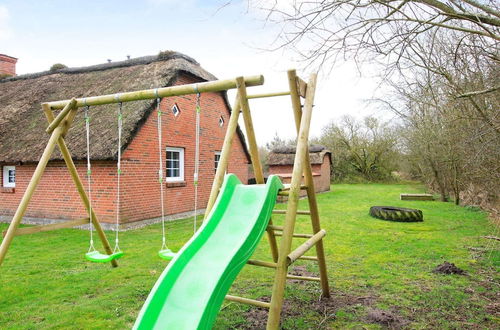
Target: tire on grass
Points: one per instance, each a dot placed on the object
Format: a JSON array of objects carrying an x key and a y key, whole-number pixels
[{"x": 399, "y": 214}]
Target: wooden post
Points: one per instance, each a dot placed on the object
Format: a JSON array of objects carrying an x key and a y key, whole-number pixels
[
  {"x": 289, "y": 225},
  {"x": 79, "y": 185},
  {"x": 254, "y": 155},
  {"x": 35, "y": 179},
  {"x": 309, "y": 182}
]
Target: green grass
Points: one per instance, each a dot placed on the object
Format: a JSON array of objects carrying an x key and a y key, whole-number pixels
[{"x": 373, "y": 264}]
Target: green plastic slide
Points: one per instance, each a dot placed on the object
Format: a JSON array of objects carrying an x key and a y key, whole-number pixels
[{"x": 190, "y": 291}]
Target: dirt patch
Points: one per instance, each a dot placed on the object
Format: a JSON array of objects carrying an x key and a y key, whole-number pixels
[
  {"x": 301, "y": 271},
  {"x": 386, "y": 318},
  {"x": 448, "y": 268},
  {"x": 493, "y": 309},
  {"x": 326, "y": 308},
  {"x": 257, "y": 317}
]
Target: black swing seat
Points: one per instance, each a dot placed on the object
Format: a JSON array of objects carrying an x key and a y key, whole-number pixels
[{"x": 96, "y": 256}]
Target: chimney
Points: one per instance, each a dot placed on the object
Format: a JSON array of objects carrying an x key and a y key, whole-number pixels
[{"x": 7, "y": 65}]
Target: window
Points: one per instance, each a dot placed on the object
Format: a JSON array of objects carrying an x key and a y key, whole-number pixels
[
  {"x": 175, "y": 164},
  {"x": 221, "y": 121},
  {"x": 216, "y": 160},
  {"x": 175, "y": 110},
  {"x": 9, "y": 176}
]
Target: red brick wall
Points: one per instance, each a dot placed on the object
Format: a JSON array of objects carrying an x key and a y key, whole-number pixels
[
  {"x": 7, "y": 65},
  {"x": 56, "y": 197},
  {"x": 141, "y": 190}
]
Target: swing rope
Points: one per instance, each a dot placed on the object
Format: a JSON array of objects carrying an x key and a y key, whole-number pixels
[
  {"x": 119, "y": 174},
  {"x": 196, "y": 160},
  {"x": 165, "y": 252},
  {"x": 93, "y": 254},
  {"x": 89, "y": 173},
  {"x": 160, "y": 175}
]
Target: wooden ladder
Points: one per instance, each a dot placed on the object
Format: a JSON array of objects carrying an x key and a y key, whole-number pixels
[{"x": 282, "y": 254}]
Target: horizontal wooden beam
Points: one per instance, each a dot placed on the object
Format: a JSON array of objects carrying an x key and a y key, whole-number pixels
[
  {"x": 52, "y": 226},
  {"x": 247, "y": 301},
  {"x": 299, "y": 251},
  {"x": 148, "y": 94},
  {"x": 303, "y": 278},
  {"x": 258, "y": 96},
  {"x": 262, "y": 263}
]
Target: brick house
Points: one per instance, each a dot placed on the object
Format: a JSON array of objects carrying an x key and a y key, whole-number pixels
[
  {"x": 280, "y": 162},
  {"x": 23, "y": 138},
  {"x": 7, "y": 65}
]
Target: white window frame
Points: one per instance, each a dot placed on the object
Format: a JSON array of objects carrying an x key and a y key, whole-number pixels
[
  {"x": 5, "y": 175},
  {"x": 176, "y": 111},
  {"x": 181, "y": 164},
  {"x": 217, "y": 153}
]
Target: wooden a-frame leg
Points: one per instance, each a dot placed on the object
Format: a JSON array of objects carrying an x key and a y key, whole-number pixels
[
  {"x": 309, "y": 182},
  {"x": 78, "y": 183},
  {"x": 23, "y": 205},
  {"x": 254, "y": 156}
]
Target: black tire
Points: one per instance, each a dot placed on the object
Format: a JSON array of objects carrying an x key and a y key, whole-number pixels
[{"x": 399, "y": 214}]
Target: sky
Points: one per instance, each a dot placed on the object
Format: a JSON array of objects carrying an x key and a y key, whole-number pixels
[{"x": 226, "y": 37}]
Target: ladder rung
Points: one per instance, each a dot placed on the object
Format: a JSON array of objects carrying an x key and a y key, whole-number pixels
[
  {"x": 298, "y": 212},
  {"x": 302, "y": 249},
  {"x": 312, "y": 258},
  {"x": 274, "y": 227},
  {"x": 298, "y": 235},
  {"x": 303, "y": 278},
  {"x": 262, "y": 263},
  {"x": 248, "y": 301},
  {"x": 286, "y": 187}
]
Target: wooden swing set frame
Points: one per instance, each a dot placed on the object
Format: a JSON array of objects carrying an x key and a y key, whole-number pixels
[{"x": 302, "y": 178}]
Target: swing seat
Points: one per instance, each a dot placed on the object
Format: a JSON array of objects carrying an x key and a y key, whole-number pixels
[
  {"x": 96, "y": 256},
  {"x": 166, "y": 254}
]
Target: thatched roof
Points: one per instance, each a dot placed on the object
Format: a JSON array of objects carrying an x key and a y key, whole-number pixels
[
  {"x": 22, "y": 122},
  {"x": 286, "y": 155}
]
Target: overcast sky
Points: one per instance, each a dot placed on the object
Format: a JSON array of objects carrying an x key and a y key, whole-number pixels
[{"x": 225, "y": 39}]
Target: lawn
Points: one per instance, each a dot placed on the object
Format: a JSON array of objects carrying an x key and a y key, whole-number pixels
[{"x": 380, "y": 272}]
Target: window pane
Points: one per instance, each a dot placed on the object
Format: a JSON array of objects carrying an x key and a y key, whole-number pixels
[
  {"x": 175, "y": 163},
  {"x": 12, "y": 176}
]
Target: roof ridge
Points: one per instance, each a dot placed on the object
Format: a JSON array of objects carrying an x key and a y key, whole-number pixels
[{"x": 162, "y": 56}]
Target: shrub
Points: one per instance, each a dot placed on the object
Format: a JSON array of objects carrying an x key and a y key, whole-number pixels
[{"x": 57, "y": 67}]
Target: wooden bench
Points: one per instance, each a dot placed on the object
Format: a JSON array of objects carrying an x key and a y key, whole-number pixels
[{"x": 416, "y": 197}]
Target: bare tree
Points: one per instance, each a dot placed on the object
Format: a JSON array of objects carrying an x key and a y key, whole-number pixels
[{"x": 320, "y": 31}]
